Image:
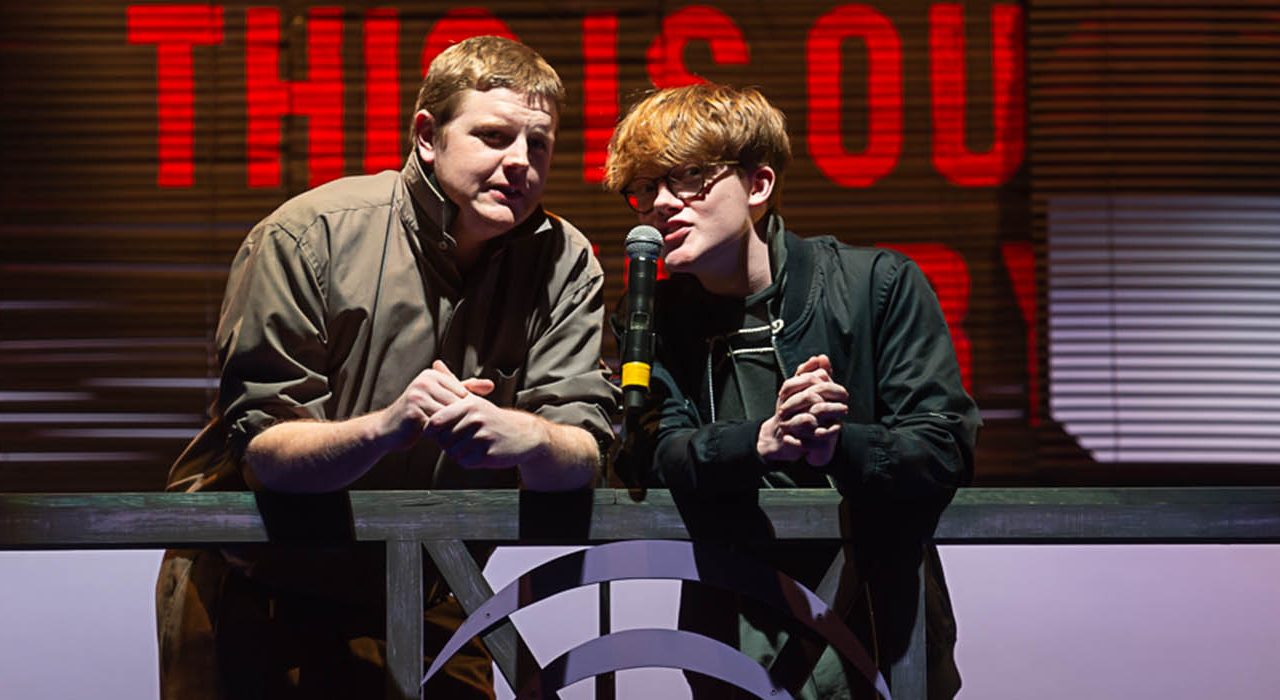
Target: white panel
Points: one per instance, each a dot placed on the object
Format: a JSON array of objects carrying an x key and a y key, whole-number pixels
[{"x": 1166, "y": 309}]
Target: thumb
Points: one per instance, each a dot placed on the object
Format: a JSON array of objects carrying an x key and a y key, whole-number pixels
[
  {"x": 824, "y": 362},
  {"x": 813, "y": 364},
  {"x": 478, "y": 386}
]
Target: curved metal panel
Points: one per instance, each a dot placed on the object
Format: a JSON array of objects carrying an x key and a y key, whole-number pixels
[
  {"x": 663, "y": 559},
  {"x": 652, "y": 648}
]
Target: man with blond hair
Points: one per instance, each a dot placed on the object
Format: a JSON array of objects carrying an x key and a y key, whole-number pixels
[
  {"x": 431, "y": 328},
  {"x": 785, "y": 362}
]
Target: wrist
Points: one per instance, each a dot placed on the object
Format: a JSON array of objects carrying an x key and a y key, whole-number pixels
[
  {"x": 819, "y": 460},
  {"x": 821, "y": 454},
  {"x": 380, "y": 431},
  {"x": 766, "y": 439},
  {"x": 535, "y": 437},
  {"x": 562, "y": 456},
  {"x": 542, "y": 449}
]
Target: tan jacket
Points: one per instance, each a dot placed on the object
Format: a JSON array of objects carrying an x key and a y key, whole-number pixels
[
  {"x": 339, "y": 298},
  {"x": 335, "y": 302}
]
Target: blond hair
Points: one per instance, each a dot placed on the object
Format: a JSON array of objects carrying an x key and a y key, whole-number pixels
[
  {"x": 484, "y": 63},
  {"x": 696, "y": 124}
]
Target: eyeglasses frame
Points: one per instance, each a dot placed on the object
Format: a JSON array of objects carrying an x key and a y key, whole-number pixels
[{"x": 707, "y": 183}]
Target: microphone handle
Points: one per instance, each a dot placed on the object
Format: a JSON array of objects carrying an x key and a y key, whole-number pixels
[{"x": 638, "y": 343}]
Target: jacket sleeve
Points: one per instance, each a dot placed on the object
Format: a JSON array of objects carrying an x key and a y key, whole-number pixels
[
  {"x": 670, "y": 447},
  {"x": 714, "y": 457},
  {"x": 271, "y": 337},
  {"x": 922, "y": 446},
  {"x": 564, "y": 379}
]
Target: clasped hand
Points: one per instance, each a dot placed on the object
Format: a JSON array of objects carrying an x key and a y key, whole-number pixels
[
  {"x": 807, "y": 416},
  {"x": 454, "y": 413}
]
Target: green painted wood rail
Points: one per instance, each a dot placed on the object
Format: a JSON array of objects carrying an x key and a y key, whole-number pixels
[{"x": 440, "y": 521}]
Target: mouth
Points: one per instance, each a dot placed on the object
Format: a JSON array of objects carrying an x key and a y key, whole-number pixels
[
  {"x": 674, "y": 232},
  {"x": 507, "y": 193}
]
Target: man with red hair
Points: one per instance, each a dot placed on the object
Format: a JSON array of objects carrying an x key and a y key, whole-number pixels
[{"x": 787, "y": 362}]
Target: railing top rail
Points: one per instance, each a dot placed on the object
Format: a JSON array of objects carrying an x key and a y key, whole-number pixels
[{"x": 1015, "y": 515}]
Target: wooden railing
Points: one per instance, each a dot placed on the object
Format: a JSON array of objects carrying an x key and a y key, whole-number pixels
[{"x": 439, "y": 522}]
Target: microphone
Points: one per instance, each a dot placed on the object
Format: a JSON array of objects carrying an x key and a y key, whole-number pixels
[{"x": 644, "y": 245}]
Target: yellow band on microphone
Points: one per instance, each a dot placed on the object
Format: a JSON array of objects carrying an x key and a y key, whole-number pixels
[{"x": 635, "y": 374}]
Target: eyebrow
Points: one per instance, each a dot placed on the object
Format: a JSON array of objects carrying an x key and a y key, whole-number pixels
[{"x": 500, "y": 122}]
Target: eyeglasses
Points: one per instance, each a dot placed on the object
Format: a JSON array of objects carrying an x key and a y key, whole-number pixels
[{"x": 687, "y": 182}]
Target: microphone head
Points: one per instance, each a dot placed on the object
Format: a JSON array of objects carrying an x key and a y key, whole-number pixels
[{"x": 644, "y": 241}]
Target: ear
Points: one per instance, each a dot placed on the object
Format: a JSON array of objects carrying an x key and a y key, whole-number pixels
[
  {"x": 760, "y": 187},
  {"x": 424, "y": 134}
]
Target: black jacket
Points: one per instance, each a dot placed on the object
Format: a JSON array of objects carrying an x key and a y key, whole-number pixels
[
  {"x": 906, "y": 444},
  {"x": 911, "y": 427}
]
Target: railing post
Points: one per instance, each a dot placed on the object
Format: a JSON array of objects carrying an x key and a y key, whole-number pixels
[
  {"x": 469, "y": 587},
  {"x": 606, "y": 686},
  {"x": 908, "y": 676},
  {"x": 404, "y": 620}
]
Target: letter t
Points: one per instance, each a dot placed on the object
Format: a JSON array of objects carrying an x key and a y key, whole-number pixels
[{"x": 174, "y": 29}]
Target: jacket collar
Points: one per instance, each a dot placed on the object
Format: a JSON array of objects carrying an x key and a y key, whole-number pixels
[
  {"x": 797, "y": 292},
  {"x": 426, "y": 198},
  {"x": 797, "y": 286},
  {"x": 435, "y": 225}
]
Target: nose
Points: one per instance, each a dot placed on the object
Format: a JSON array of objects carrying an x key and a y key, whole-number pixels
[
  {"x": 517, "y": 155},
  {"x": 665, "y": 199}
]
